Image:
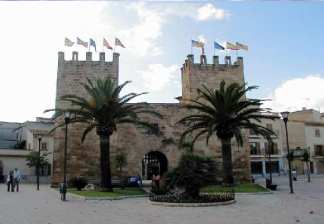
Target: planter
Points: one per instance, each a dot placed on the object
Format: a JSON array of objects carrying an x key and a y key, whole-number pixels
[
  {"x": 179, "y": 200},
  {"x": 167, "y": 204}
]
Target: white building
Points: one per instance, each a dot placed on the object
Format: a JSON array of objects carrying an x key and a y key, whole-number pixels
[
  {"x": 17, "y": 140},
  {"x": 259, "y": 146}
]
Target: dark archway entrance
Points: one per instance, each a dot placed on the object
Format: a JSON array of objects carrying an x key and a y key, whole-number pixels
[{"x": 154, "y": 162}]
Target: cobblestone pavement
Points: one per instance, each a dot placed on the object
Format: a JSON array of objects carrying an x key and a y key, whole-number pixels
[{"x": 44, "y": 207}]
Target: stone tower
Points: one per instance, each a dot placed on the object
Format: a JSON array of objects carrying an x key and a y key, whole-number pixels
[
  {"x": 83, "y": 158},
  {"x": 70, "y": 76},
  {"x": 194, "y": 75}
]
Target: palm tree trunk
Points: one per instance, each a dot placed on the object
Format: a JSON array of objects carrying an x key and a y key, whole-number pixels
[
  {"x": 105, "y": 163},
  {"x": 228, "y": 178}
]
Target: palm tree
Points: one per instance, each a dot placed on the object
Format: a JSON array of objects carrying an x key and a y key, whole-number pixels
[
  {"x": 103, "y": 110},
  {"x": 224, "y": 112}
]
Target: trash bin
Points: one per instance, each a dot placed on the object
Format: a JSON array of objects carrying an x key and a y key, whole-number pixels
[{"x": 294, "y": 175}]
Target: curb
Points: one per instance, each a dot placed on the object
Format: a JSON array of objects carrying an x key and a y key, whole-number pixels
[
  {"x": 168, "y": 204},
  {"x": 105, "y": 198},
  {"x": 254, "y": 193}
]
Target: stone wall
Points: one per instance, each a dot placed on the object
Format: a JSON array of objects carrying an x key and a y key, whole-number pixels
[
  {"x": 83, "y": 158},
  {"x": 194, "y": 75},
  {"x": 71, "y": 74}
]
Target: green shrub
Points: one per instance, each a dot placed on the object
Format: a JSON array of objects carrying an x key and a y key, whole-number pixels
[
  {"x": 78, "y": 182},
  {"x": 192, "y": 173}
]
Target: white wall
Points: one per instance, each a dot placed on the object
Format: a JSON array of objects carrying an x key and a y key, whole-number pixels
[{"x": 10, "y": 163}]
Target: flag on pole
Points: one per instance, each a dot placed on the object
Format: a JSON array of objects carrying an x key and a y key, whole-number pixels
[
  {"x": 118, "y": 43},
  {"x": 81, "y": 42},
  {"x": 218, "y": 46},
  {"x": 242, "y": 46},
  {"x": 68, "y": 42},
  {"x": 92, "y": 43},
  {"x": 195, "y": 43},
  {"x": 232, "y": 46},
  {"x": 106, "y": 44}
]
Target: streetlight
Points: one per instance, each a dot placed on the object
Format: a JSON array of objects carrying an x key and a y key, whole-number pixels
[
  {"x": 38, "y": 161},
  {"x": 285, "y": 119},
  {"x": 67, "y": 121}
]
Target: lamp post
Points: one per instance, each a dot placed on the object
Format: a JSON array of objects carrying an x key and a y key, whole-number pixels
[
  {"x": 67, "y": 121},
  {"x": 38, "y": 161},
  {"x": 285, "y": 119}
]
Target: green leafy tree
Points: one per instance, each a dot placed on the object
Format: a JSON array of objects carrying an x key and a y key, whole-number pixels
[
  {"x": 32, "y": 160},
  {"x": 120, "y": 162},
  {"x": 306, "y": 160},
  {"x": 103, "y": 110},
  {"x": 224, "y": 112},
  {"x": 192, "y": 173}
]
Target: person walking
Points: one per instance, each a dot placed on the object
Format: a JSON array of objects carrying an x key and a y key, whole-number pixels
[
  {"x": 17, "y": 178},
  {"x": 10, "y": 181}
]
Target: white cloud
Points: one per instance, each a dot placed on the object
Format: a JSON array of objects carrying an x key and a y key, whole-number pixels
[
  {"x": 202, "y": 38},
  {"x": 297, "y": 93},
  {"x": 142, "y": 37},
  {"x": 157, "y": 76},
  {"x": 35, "y": 32},
  {"x": 209, "y": 11}
]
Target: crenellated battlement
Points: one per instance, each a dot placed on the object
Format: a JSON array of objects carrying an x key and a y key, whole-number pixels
[
  {"x": 71, "y": 74},
  {"x": 194, "y": 75},
  {"x": 203, "y": 64},
  {"x": 88, "y": 58}
]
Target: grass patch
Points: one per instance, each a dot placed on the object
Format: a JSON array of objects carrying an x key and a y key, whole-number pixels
[
  {"x": 127, "y": 191},
  {"x": 241, "y": 188}
]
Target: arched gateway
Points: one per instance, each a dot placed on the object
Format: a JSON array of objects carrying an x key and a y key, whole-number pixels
[{"x": 154, "y": 162}]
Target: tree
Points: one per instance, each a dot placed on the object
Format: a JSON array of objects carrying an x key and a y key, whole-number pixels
[
  {"x": 103, "y": 110},
  {"x": 32, "y": 159},
  {"x": 224, "y": 112},
  {"x": 192, "y": 173},
  {"x": 120, "y": 163},
  {"x": 306, "y": 160}
]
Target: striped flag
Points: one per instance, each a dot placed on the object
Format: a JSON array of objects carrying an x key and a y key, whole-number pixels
[
  {"x": 118, "y": 43},
  {"x": 81, "y": 42},
  {"x": 242, "y": 46},
  {"x": 68, "y": 42},
  {"x": 218, "y": 46},
  {"x": 232, "y": 46},
  {"x": 195, "y": 43},
  {"x": 92, "y": 43},
  {"x": 106, "y": 44}
]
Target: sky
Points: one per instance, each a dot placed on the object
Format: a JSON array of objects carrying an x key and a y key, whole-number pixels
[{"x": 285, "y": 39}]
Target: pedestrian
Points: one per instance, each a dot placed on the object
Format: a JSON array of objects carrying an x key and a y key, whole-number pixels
[
  {"x": 17, "y": 178},
  {"x": 10, "y": 181},
  {"x": 156, "y": 179}
]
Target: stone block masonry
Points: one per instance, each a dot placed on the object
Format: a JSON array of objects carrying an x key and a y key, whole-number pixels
[{"x": 83, "y": 158}]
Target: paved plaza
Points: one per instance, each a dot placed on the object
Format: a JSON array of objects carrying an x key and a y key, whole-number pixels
[{"x": 44, "y": 207}]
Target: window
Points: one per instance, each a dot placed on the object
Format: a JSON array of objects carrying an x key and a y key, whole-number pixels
[
  {"x": 155, "y": 130},
  {"x": 44, "y": 146},
  {"x": 255, "y": 148},
  {"x": 273, "y": 151},
  {"x": 317, "y": 132},
  {"x": 319, "y": 150}
]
